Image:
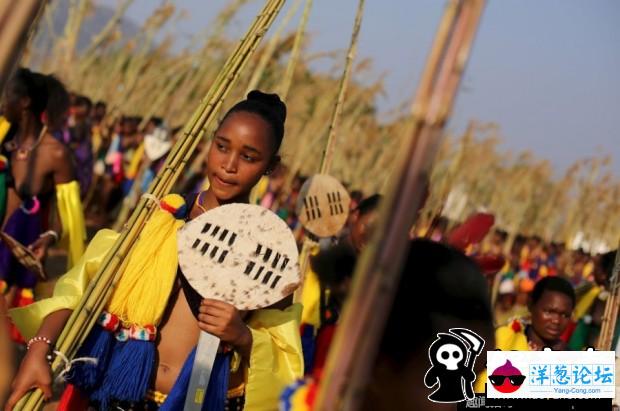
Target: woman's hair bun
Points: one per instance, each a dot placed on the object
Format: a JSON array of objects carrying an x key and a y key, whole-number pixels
[
  {"x": 269, "y": 99},
  {"x": 269, "y": 107}
]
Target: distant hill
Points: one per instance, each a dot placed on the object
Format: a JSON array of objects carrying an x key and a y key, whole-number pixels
[{"x": 92, "y": 25}]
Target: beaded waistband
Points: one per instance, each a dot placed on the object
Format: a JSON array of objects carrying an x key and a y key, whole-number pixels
[{"x": 123, "y": 332}]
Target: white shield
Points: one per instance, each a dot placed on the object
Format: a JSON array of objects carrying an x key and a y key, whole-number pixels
[
  {"x": 323, "y": 205},
  {"x": 242, "y": 254}
]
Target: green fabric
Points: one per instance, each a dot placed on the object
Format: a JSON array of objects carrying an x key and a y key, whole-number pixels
[{"x": 579, "y": 339}]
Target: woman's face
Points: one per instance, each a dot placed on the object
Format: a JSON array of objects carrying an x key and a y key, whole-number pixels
[
  {"x": 551, "y": 314},
  {"x": 242, "y": 151}
]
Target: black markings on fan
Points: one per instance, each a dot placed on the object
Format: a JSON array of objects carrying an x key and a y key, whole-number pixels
[
  {"x": 215, "y": 243},
  {"x": 313, "y": 211},
  {"x": 335, "y": 203},
  {"x": 267, "y": 262}
]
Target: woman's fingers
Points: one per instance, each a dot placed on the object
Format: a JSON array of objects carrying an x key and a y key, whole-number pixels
[
  {"x": 17, "y": 393},
  {"x": 217, "y": 304}
]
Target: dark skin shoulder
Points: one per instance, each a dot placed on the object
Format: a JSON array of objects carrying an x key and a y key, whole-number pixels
[{"x": 51, "y": 165}]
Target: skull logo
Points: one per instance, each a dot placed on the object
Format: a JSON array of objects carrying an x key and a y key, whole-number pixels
[{"x": 450, "y": 355}]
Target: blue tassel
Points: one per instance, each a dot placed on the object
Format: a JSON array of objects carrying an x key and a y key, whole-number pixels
[
  {"x": 286, "y": 396},
  {"x": 129, "y": 372},
  {"x": 97, "y": 345},
  {"x": 308, "y": 347},
  {"x": 215, "y": 397}
]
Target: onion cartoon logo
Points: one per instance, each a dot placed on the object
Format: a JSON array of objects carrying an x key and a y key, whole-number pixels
[{"x": 507, "y": 378}]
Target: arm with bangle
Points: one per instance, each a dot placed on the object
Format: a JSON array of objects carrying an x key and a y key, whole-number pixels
[
  {"x": 35, "y": 371},
  {"x": 43, "y": 321}
]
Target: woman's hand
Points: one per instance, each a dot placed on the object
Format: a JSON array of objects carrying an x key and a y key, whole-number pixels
[
  {"x": 224, "y": 321},
  {"x": 40, "y": 247},
  {"x": 34, "y": 372}
]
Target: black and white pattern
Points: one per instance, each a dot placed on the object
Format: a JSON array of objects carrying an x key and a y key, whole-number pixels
[
  {"x": 323, "y": 205},
  {"x": 242, "y": 254},
  {"x": 334, "y": 199}
]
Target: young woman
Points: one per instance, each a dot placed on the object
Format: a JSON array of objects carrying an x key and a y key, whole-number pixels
[
  {"x": 265, "y": 342},
  {"x": 43, "y": 202},
  {"x": 551, "y": 304}
]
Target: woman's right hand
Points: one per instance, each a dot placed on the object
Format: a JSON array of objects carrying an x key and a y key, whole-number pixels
[{"x": 34, "y": 372}]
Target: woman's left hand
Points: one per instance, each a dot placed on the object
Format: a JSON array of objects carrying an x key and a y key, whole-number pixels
[
  {"x": 40, "y": 247},
  {"x": 224, "y": 321}
]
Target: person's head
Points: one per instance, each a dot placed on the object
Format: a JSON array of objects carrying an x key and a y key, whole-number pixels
[
  {"x": 245, "y": 145},
  {"x": 31, "y": 96},
  {"x": 81, "y": 109},
  {"x": 356, "y": 197},
  {"x": 534, "y": 241},
  {"x": 334, "y": 267},
  {"x": 298, "y": 182},
  {"x": 603, "y": 267},
  {"x": 439, "y": 227},
  {"x": 440, "y": 288},
  {"x": 363, "y": 219},
  {"x": 152, "y": 124},
  {"x": 129, "y": 126},
  {"x": 551, "y": 305},
  {"x": 99, "y": 111},
  {"x": 499, "y": 237},
  {"x": 507, "y": 294}
]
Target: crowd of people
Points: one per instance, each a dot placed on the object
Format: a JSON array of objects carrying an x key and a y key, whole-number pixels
[{"x": 72, "y": 167}]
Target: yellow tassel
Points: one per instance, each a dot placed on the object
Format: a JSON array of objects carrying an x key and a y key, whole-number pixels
[{"x": 143, "y": 290}]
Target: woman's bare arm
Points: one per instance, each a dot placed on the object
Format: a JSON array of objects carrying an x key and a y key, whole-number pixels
[{"x": 34, "y": 371}]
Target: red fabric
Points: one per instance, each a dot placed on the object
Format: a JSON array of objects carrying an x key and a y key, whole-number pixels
[
  {"x": 167, "y": 207},
  {"x": 568, "y": 332},
  {"x": 72, "y": 400},
  {"x": 472, "y": 231},
  {"x": 323, "y": 342},
  {"x": 490, "y": 264}
]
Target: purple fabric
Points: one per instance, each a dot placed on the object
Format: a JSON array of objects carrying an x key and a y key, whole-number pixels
[
  {"x": 81, "y": 146},
  {"x": 26, "y": 229},
  {"x": 84, "y": 158}
]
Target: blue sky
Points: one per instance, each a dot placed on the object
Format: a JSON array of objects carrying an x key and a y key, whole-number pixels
[{"x": 548, "y": 71}]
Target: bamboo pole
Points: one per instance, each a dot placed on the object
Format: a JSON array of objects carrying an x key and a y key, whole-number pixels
[
  {"x": 101, "y": 287},
  {"x": 308, "y": 244},
  {"x": 610, "y": 315},
  {"x": 18, "y": 19},
  {"x": 270, "y": 49},
  {"x": 355, "y": 345},
  {"x": 326, "y": 159},
  {"x": 77, "y": 12},
  {"x": 287, "y": 79}
]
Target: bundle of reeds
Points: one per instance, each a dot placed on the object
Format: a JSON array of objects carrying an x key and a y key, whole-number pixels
[{"x": 612, "y": 307}]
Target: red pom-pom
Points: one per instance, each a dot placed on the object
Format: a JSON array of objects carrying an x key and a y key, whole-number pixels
[{"x": 516, "y": 326}]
